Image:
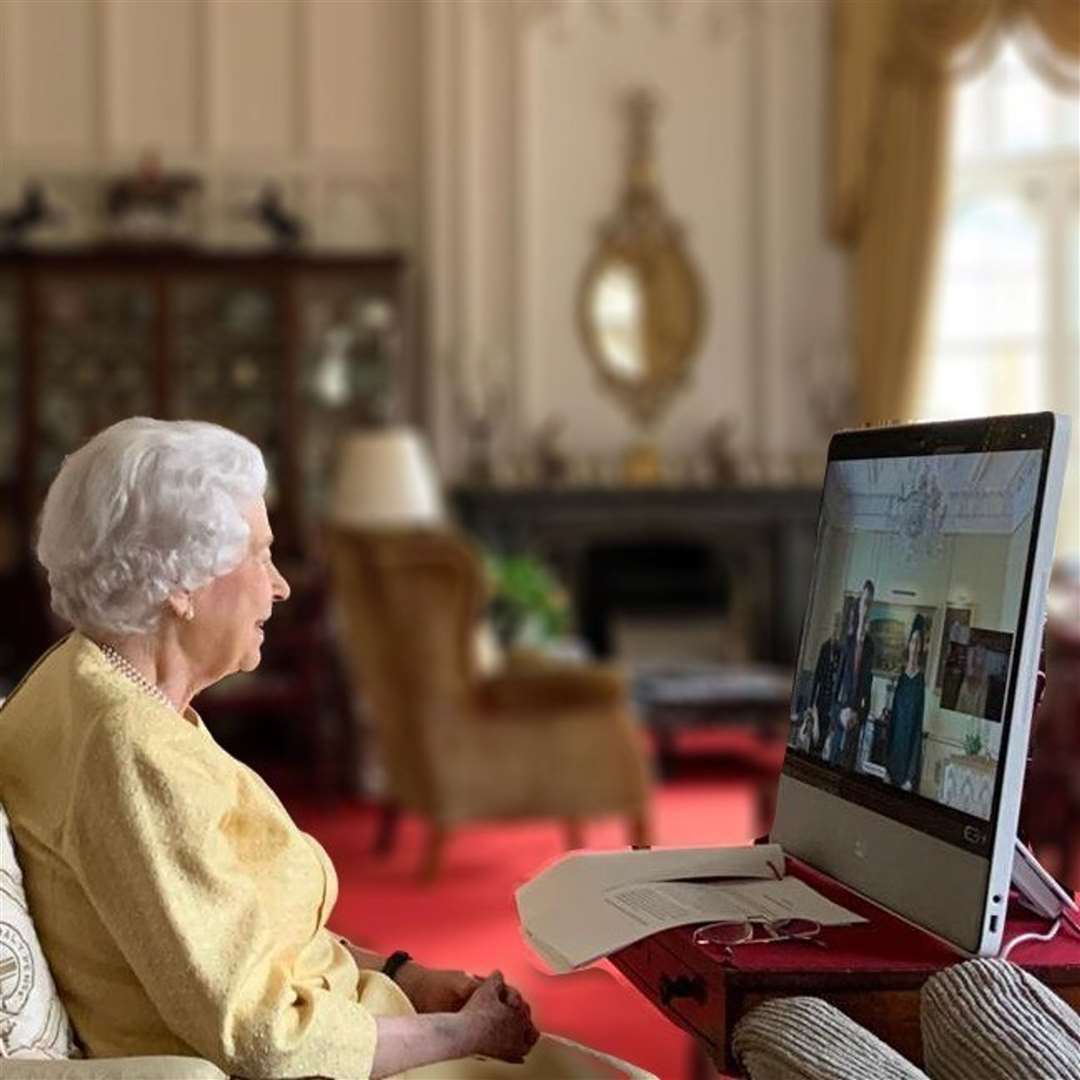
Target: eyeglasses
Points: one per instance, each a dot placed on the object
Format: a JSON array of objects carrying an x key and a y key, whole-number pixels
[{"x": 724, "y": 935}]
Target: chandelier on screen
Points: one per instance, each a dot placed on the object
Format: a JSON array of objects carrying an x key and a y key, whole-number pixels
[{"x": 916, "y": 514}]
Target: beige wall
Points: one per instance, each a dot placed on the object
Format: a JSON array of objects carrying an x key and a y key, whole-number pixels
[
  {"x": 482, "y": 135},
  {"x": 324, "y": 95},
  {"x": 524, "y": 144}
]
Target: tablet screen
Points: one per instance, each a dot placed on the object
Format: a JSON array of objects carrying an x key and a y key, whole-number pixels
[{"x": 902, "y": 691}]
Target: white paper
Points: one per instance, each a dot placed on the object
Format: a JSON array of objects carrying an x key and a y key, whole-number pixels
[
  {"x": 666, "y": 904},
  {"x": 590, "y": 904},
  {"x": 567, "y": 921}
]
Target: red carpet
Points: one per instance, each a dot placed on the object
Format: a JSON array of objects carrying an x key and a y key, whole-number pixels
[{"x": 467, "y": 918}]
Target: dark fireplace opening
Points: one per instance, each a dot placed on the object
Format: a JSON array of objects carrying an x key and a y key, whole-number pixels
[{"x": 652, "y": 580}]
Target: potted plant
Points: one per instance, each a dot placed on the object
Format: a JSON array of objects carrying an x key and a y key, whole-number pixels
[{"x": 529, "y": 607}]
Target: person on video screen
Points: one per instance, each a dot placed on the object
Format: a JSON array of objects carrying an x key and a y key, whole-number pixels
[
  {"x": 816, "y": 719},
  {"x": 854, "y": 678},
  {"x": 903, "y": 756},
  {"x": 971, "y": 697}
]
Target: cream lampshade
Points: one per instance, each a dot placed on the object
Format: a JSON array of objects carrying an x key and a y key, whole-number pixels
[{"x": 385, "y": 477}]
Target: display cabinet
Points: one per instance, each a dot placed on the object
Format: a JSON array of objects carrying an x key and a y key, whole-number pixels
[{"x": 288, "y": 349}]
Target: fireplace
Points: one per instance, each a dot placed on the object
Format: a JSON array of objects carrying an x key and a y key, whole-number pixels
[
  {"x": 731, "y": 565},
  {"x": 659, "y": 597}
]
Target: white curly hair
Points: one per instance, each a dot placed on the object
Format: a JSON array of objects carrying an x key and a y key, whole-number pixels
[{"x": 146, "y": 508}]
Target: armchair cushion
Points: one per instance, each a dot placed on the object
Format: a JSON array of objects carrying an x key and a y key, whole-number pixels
[
  {"x": 33, "y": 1020},
  {"x": 805, "y": 1038},
  {"x": 991, "y": 1020},
  {"x": 130, "y": 1068},
  {"x": 550, "y": 687}
]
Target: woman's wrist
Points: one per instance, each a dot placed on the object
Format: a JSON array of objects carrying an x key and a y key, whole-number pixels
[
  {"x": 409, "y": 1042},
  {"x": 463, "y": 1033}
]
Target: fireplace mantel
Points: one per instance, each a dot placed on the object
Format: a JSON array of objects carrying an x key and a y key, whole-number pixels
[{"x": 765, "y": 535}]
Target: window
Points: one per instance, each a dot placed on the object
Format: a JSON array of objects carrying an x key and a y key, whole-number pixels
[{"x": 1005, "y": 332}]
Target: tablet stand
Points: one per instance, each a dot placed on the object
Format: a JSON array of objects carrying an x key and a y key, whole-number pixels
[{"x": 1037, "y": 889}]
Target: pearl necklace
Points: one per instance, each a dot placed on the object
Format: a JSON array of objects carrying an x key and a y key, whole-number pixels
[{"x": 126, "y": 668}]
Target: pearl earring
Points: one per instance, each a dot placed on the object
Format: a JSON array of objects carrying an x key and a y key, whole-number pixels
[{"x": 189, "y": 614}]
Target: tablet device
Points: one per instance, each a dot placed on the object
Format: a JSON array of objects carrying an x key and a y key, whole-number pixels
[{"x": 916, "y": 671}]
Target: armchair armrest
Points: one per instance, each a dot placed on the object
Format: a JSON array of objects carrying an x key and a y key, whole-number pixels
[{"x": 549, "y": 687}]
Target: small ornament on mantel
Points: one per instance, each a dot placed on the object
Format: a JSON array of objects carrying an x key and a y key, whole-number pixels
[
  {"x": 552, "y": 461},
  {"x": 284, "y": 228},
  {"x": 479, "y": 416},
  {"x": 32, "y": 212},
  {"x": 151, "y": 204},
  {"x": 641, "y": 464},
  {"x": 719, "y": 456}
]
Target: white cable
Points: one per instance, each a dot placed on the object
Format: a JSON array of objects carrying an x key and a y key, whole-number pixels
[{"x": 1031, "y": 937}]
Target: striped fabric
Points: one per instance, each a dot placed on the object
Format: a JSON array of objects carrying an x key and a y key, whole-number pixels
[
  {"x": 990, "y": 1020},
  {"x": 805, "y": 1038}
]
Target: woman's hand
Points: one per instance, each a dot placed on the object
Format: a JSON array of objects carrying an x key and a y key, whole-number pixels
[
  {"x": 497, "y": 1022},
  {"x": 433, "y": 990},
  {"x": 494, "y": 1022}
]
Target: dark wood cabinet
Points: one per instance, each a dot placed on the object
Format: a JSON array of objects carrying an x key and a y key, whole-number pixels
[{"x": 288, "y": 349}]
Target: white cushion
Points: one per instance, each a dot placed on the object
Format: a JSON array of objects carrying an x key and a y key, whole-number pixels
[
  {"x": 1024, "y": 1028},
  {"x": 33, "y": 1020},
  {"x": 805, "y": 1038}
]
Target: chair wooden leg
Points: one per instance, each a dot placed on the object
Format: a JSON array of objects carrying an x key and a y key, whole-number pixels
[
  {"x": 386, "y": 830},
  {"x": 639, "y": 830},
  {"x": 433, "y": 849},
  {"x": 574, "y": 834}
]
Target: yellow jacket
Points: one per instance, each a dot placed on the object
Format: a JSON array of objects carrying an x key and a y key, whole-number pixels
[{"x": 181, "y": 910}]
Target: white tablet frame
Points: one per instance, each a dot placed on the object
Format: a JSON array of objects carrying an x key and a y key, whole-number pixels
[{"x": 959, "y": 895}]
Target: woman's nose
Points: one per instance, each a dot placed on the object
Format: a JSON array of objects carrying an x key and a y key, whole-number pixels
[{"x": 281, "y": 586}]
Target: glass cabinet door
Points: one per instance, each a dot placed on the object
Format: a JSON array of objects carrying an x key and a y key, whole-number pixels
[
  {"x": 350, "y": 370},
  {"x": 227, "y": 351},
  {"x": 96, "y": 362}
]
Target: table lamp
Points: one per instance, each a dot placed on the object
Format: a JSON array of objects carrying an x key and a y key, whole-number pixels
[{"x": 385, "y": 478}]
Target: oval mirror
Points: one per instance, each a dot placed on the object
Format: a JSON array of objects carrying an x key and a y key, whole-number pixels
[
  {"x": 639, "y": 306},
  {"x": 617, "y": 312}
]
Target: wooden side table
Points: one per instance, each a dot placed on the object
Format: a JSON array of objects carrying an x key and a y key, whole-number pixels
[{"x": 873, "y": 972}]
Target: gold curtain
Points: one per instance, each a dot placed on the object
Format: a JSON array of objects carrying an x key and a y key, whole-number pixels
[{"x": 893, "y": 62}]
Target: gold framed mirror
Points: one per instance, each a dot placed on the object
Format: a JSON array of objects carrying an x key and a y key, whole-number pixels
[{"x": 640, "y": 309}]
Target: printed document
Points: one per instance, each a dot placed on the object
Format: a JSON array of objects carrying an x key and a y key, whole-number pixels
[{"x": 591, "y": 904}]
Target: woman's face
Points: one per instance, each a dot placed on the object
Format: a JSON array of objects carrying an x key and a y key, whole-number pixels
[
  {"x": 914, "y": 648},
  {"x": 226, "y": 633}
]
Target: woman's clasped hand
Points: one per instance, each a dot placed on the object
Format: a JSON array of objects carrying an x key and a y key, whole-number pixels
[{"x": 498, "y": 1022}]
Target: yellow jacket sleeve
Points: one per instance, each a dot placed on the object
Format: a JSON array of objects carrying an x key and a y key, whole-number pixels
[{"x": 218, "y": 903}]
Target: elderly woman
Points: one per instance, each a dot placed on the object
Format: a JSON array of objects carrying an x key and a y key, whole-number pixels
[{"x": 180, "y": 908}]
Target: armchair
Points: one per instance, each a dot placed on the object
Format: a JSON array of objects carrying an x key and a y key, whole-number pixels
[{"x": 534, "y": 740}]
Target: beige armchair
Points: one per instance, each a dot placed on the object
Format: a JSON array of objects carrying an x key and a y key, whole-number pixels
[
  {"x": 132, "y": 1068},
  {"x": 535, "y": 740}
]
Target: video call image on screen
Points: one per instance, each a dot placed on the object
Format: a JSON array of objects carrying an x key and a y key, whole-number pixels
[{"x": 907, "y": 647}]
